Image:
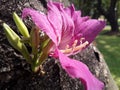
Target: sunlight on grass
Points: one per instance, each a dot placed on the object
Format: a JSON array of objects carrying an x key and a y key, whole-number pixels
[
  {"x": 110, "y": 48},
  {"x": 107, "y": 28},
  {"x": 117, "y": 79},
  {"x": 119, "y": 21}
]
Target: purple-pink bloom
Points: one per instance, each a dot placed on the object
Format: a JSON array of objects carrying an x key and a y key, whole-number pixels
[{"x": 70, "y": 33}]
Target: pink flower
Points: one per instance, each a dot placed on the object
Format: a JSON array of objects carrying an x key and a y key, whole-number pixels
[{"x": 70, "y": 33}]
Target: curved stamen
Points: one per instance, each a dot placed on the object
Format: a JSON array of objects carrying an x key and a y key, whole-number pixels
[
  {"x": 81, "y": 46},
  {"x": 67, "y": 50},
  {"x": 74, "y": 44},
  {"x": 75, "y": 47},
  {"x": 67, "y": 47}
]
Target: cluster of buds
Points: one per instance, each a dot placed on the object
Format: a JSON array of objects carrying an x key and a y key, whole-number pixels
[{"x": 36, "y": 39}]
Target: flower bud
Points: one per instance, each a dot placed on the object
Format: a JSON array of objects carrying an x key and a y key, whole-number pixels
[
  {"x": 21, "y": 26},
  {"x": 34, "y": 39},
  {"x": 15, "y": 41}
]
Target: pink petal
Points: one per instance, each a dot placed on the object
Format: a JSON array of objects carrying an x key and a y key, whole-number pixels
[
  {"x": 84, "y": 25},
  {"x": 77, "y": 69},
  {"x": 41, "y": 21},
  {"x": 91, "y": 28},
  {"x": 67, "y": 32},
  {"x": 78, "y": 21},
  {"x": 67, "y": 27},
  {"x": 70, "y": 10},
  {"x": 55, "y": 19}
]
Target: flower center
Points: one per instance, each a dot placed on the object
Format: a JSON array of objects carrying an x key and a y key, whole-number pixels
[{"x": 75, "y": 47}]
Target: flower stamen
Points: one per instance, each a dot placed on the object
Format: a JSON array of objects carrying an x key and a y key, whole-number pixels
[
  {"x": 81, "y": 46},
  {"x": 74, "y": 44},
  {"x": 67, "y": 47},
  {"x": 75, "y": 47},
  {"x": 67, "y": 50}
]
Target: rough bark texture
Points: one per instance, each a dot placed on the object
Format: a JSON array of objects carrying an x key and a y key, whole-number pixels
[{"x": 16, "y": 74}]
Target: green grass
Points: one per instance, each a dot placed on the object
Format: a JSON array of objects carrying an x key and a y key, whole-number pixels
[{"x": 110, "y": 48}]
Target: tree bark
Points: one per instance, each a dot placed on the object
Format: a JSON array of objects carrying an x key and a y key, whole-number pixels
[{"x": 16, "y": 74}]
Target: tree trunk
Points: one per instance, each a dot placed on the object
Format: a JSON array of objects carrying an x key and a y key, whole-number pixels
[
  {"x": 110, "y": 14},
  {"x": 112, "y": 17},
  {"x": 16, "y": 74}
]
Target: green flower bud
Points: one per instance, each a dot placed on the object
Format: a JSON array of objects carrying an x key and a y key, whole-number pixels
[
  {"x": 21, "y": 26},
  {"x": 15, "y": 41}
]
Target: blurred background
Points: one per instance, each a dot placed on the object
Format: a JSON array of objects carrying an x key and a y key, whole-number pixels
[{"x": 108, "y": 42}]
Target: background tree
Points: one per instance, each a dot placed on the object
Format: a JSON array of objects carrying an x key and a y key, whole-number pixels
[
  {"x": 118, "y": 9},
  {"x": 110, "y": 13},
  {"x": 95, "y": 8},
  {"x": 88, "y": 7}
]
